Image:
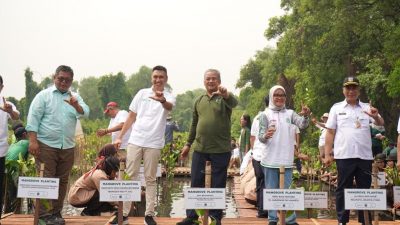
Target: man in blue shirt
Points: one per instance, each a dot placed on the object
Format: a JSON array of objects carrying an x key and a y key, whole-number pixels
[{"x": 52, "y": 119}]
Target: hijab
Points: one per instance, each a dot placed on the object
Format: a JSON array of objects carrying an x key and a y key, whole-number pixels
[{"x": 271, "y": 104}]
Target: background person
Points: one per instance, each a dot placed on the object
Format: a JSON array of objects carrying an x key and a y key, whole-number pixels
[
  {"x": 52, "y": 119},
  {"x": 398, "y": 145},
  {"x": 85, "y": 192},
  {"x": 7, "y": 112},
  {"x": 322, "y": 128},
  {"x": 170, "y": 127},
  {"x": 118, "y": 118},
  {"x": 244, "y": 139},
  {"x": 21, "y": 145}
]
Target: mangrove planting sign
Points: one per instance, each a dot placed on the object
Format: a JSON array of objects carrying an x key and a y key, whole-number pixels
[
  {"x": 204, "y": 198},
  {"x": 38, "y": 187},
  {"x": 284, "y": 199},
  {"x": 119, "y": 190},
  {"x": 365, "y": 199}
]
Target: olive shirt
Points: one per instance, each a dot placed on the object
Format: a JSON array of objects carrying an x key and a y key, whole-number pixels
[{"x": 210, "y": 131}]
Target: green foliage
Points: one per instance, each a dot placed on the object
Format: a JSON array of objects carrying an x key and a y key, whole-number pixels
[
  {"x": 31, "y": 88},
  {"x": 171, "y": 152},
  {"x": 183, "y": 110},
  {"x": 393, "y": 176},
  {"x": 88, "y": 90},
  {"x": 201, "y": 213},
  {"x": 113, "y": 88},
  {"x": 139, "y": 80},
  {"x": 91, "y": 126}
]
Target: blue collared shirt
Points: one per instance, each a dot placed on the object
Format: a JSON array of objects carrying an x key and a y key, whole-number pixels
[{"x": 53, "y": 119}]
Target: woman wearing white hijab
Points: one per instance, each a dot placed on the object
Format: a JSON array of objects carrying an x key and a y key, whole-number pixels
[{"x": 278, "y": 134}]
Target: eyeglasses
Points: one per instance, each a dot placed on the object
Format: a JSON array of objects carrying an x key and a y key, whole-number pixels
[
  {"x": 64, "y": 79},
  {"x": 351, "y": 87},
  {"x": 279, "y": 95}
]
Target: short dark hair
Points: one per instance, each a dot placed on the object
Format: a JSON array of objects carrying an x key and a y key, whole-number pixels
[
  {"x": 64, "y": 68},
  {"x": 16, "y": 125},
  {"x": 1, "y": 80},
  {"x": 161, "y": 68}
]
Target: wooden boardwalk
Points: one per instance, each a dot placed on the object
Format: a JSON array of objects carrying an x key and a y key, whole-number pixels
[{"x": 100, "y": 220}]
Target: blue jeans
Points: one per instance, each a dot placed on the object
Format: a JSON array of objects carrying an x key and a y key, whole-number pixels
[{"x": 272, "y": 182}]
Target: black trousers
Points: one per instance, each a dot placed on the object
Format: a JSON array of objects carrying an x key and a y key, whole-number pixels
[
  {"x": 2, "y": 177},
  {"x": 219, "y": 168},
  {"x": 348, "y": 169},
  {"x": 94, "y": 207},
  {"x": 260, "y": 184}
]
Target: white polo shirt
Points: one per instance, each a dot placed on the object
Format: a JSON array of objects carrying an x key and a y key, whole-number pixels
[
  {"x": 120, "y": 118},
  {"x": 4, "y": 117},
  {"x": 398, "y": 126},
  {"x": 258, "y": 146},
  {"x": 353, "y": 135},
  {"x": 151, "y": 117}
]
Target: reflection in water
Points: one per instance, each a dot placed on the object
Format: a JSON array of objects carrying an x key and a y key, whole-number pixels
[{"x": 171, "y": 201}]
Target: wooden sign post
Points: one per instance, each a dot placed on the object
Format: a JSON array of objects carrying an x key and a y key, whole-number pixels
[
  {"x": 207, "y": 185},
  {"x": 282, "y": 186},
  {"x": 37, "y": 201},
  {"x": 376, "y": 186},
  {"x": 120, "y": 203}
]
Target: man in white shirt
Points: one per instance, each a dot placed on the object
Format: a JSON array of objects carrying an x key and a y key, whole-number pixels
[
  {"x": 348, "y": 130},
  {"x": 118, "y": 118},
  {"x": 147, "y": 116},
  {"x": 7, "y": 111}
]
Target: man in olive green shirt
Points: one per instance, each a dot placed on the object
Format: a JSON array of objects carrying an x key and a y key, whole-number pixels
[{"x": 210, "y": 138}]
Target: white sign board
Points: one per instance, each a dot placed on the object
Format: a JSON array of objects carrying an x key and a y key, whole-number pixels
[
  {"x": 38, "y": 187},
  {"x": 381, "y": 178},
  {"x": 119, "y": 190},
  {"x": 141, "y": 174},
  {"x": 396, "y": 193},
  {"x": 284, "y": 199},
  {"x": 365, "y": 199},
  {"x": 315, "y": 200},
  {"x": 204, "y": 198}
]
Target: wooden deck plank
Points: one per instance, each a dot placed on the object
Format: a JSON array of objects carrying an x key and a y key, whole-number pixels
[{"x": 96, "y": 220}]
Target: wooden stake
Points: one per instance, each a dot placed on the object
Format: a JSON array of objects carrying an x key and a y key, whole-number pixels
[
  {"x": 207, "y": 185},
  {"x": 375, "y": 184},
  {"x": 282, "y": 186},
  {"x": 120, "y": 203},
  {"x": 37, "y": 201}
]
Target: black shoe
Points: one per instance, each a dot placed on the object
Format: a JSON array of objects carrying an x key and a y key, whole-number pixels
[
  {"x": 149, "y": 220},
  {"x": 272, "y": 223},
  {"x": 187, "y": 221},
  {"x": 295, "y": 223},
  {"x": 114, "y": 220},
  {"x": 47, "y": 219},
  {"x": 262, "y": 214},
  {"x": 58, "y": 218},
  {"x": 86, "y": 212}
]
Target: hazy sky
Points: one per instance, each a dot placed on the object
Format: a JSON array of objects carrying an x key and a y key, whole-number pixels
[{"x": 97, "y": 37}]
